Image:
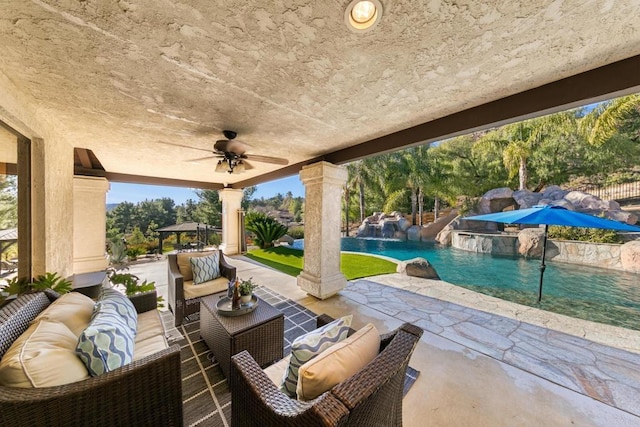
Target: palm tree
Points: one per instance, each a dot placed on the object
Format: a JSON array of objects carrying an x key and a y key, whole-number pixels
[
  {"x": 360, "y": 177},
  {"x": 606, "y": 120}
]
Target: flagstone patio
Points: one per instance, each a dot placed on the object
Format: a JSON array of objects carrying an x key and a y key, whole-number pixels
[{"x": 484, "y": 365}]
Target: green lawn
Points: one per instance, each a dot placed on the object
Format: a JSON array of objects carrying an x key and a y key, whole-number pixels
[{"x": 289, "y": 261}]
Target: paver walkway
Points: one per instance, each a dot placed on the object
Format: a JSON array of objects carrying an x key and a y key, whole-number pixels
[{"x": 604, "y": 373}]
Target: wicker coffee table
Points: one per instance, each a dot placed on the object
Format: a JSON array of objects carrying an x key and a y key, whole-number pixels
[{"x": 260, "y": 332}]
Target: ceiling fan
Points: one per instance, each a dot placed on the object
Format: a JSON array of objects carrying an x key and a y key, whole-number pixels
[{"x": 232, "y": 156}]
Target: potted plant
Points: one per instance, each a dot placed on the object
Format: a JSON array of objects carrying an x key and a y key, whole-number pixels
[
  {"x": 246, "y": 290},
  {"x": 131, "y": 285}
]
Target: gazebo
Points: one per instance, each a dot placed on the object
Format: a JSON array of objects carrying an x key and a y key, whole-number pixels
[{"x": 202, "y": 232}]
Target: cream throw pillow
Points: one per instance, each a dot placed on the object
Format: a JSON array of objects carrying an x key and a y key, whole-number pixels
[
  {"x": 43, "y": 356},
  {"x": 74, "y": 310},
  {"x": 337, "y": 363}
]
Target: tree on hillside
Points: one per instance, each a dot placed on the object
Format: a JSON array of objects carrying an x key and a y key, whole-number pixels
[
  {"x": 209, "y": 210},
  {"x": 8, "y": 201}
]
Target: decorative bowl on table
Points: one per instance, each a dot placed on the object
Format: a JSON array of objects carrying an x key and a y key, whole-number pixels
[{"x": 224, "y": 307}]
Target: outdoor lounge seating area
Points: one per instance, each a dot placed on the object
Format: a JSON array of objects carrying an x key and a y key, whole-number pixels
[
  {"x": 45, "y": 382},
  {"x": 183, "y": 293},
  {"x": 459, "y": 382}
]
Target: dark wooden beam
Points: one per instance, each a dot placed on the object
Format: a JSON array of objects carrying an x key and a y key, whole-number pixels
[
  {"x": 79, "y": 170},
  {"x": 83, "y": 155},
  {"x": 152, "y": 180},
  {"x": 606, "y": 82}
]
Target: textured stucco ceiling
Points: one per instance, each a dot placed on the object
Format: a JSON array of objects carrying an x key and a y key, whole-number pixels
[{"x": 124, "y": 78}]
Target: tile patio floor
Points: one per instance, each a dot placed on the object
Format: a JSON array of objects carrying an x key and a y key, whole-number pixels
[{"x": 497, "y": 366}]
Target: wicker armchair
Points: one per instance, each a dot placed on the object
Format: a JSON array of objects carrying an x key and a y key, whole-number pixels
[
  {"x": 178, "y": 304},
  {"x": 372, "y": 397},
  {"x": 145, "y": 392}
]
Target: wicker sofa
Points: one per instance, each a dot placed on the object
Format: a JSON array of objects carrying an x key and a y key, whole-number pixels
[
  {"x": 371, "y": 397},
  {"x": 184, "y": 296},
  {"x": 147, "y": 391}
]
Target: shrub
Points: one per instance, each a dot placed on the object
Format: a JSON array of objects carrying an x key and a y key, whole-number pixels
[
  {"x": 595, "y": 235},
  {"x": 265, "y": 228},
  {"x": 296, "y": 232}
]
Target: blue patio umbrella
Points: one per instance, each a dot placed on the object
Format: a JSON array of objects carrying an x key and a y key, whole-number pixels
[{"x": 552, "y": 215}]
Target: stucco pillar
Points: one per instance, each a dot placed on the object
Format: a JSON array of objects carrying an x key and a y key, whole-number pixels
[
  {"x": 51, "y": 207},
  {"x": 321, "y": 276},
  {"x": 230, "y": 199},
  {"x": 89, "y": 224}
]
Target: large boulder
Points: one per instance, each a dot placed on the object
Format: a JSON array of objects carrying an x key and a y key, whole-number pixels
[
  {"x": 530, "y": 242},
  {"x": 526, "y": 198},
  {"x": 413, "y": 233},
  {"x": 630, "y": 256},
  {"x": 364, "y": 229},
  {"x": 403, "y": 224},
  {"x": 563, "y": 203},
  {"x": 553, "y": 192},
  {"x": 417, "y": 267},
  {"x": 623, "y": 216},
  {"x": 388, "y": 228},
  {"x": 496, "y": 200}
]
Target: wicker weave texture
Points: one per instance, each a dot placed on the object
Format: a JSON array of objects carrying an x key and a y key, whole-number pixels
[
  {"x": 260, "y": 332},
  {"x": 371, "y": 397},
  {"x": 179, "y": 306},
  {"x": 145, "y": 392}
]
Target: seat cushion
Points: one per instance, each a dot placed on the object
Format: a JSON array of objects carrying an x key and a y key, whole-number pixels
[
  {"x": 73, "y": 309},
  {"x": 205, "y": 268},
  {"x": 107, "y": 343},
  {"x": 276, "y": 371},
  {"x": 184, "y": 263},
  {"x": 311, "y": 344},
  {"x": 338, "y": 363},
  {"x": 43, "y": 356},
  {"x": 207, "y": 288}
]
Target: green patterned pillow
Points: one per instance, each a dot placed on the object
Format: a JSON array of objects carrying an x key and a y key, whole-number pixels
[
  {"x": 107, "y": 343},
  {"x": 205, "y": 268},
  {"x": 308, "y": 346},
  {"x": 122, "y": 305}
]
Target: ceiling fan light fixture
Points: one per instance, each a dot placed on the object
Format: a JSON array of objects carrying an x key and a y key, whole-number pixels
[
  {"x": 221, "y": 166},
  {"x": 363, "y": 15},
  {"x": 239, "y": 167}
]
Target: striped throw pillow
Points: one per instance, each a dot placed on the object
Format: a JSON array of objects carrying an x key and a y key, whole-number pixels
[
  {"x": 205, "y": 268},
  {"x": 107, "y": 343},
  {"x": 308, "y": 346},
  {"x": 118, "y": 302}
]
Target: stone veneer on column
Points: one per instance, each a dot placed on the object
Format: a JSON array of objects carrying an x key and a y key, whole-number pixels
[
  {"x": 89, "y": 219},
  {"x": 230, "y": 199},
  {"x": 321, "y": 276}
]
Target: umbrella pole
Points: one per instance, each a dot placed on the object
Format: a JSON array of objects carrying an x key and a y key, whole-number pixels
[{"x": 542, "y": 266}]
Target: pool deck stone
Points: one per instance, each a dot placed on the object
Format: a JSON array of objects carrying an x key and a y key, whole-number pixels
[
  {"x": 599, "y": 370},
  {"x": 483, "y": 361}
]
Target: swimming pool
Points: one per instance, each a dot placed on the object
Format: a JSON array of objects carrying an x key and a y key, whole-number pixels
[{"x": 600, "y": 295}]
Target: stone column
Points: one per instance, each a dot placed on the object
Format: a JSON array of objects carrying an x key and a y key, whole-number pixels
[
  {"x": 230, "y": 199},
  {"x": 52, "y": 207},
  {"x": 89, "y": 224},
  {"x": 321, "y": 276}
]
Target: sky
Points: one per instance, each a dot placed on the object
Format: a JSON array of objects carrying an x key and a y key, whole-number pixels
[{"x": 135, "y": 193}]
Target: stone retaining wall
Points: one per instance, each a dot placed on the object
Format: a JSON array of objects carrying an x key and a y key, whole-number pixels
[
  {"x": 496, "y": 244},
  {"x": 602, "y": 255}
]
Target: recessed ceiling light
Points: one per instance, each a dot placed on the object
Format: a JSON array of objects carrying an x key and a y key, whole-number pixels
[{"x": 363, "y": 15}]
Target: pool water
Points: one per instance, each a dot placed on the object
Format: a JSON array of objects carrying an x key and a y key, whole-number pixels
[{"x": 596, "y": 294}]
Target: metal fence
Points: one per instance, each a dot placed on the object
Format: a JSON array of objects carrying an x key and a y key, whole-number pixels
[{"x": 617, "y": 192}]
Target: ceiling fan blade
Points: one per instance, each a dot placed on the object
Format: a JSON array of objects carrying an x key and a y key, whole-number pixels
[
  {"x": 267, "y": 159},
  {"x": 175, "y": 144},
  {"x": 202, "y": 158}
]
